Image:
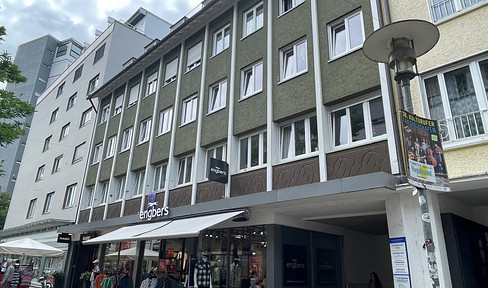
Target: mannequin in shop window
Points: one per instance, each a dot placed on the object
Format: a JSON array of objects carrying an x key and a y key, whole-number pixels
[
  {"x": 202, "y": 273},
  {"x": 235, "y": 274}
]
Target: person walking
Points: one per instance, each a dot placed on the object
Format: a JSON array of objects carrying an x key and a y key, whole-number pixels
[{"x": 7, "y": 276}]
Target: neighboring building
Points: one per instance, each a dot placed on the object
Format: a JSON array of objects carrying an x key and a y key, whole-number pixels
[
  {"x": 453, "y": 88},
  {"x": 55, "y": 157},
  {"x": 41, "y": 61}
]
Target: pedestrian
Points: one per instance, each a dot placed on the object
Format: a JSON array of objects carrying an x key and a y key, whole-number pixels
[
  {"x": 374, "y": 281},
  {"x": 7, "y": 277},
  {"x": 95, "y": 272}
]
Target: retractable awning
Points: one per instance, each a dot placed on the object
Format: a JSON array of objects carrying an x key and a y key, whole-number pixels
[{"x": 178, "y": 228}]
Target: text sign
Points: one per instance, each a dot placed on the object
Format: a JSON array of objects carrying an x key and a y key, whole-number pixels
[{"x": 218, "y": 171}]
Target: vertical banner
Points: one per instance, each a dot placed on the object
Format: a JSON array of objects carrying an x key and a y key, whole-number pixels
[
  {"x": 423, "y": 153},
  {"x": 399, "y": 262},
  {"x": 295, "y": 270}
]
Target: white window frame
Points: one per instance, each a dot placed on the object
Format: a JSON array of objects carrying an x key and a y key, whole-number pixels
[
  {"x": 160, "y": 177},
  {"x": 250, "y": 81},
  {"x": 217, "y": 96},
  {"x": 457, "y": 7},
  {"x": 57, "y": 164},
  {"x": 111, "y": 143},
  {"x": 48, "y": 203},
  {"x": 212, "y": 153},
  {"x": 151, "y": 83},
  {"x": 256, "y": 22},
  {"x": 71, "y": 101},
  {"x": 368, "y": 125},
  {"x": 144, "y": 131},
  {"x": 40, "y": 173},
  {"x": 54, "y": 116},
  {"x": 69, "y": 198},
  {"x": 184, "y": 170},
  {"x": 139, "y": 182},
  {"x": 262, "y": 140},
  {"x": 194, "y": 56},
  {"x": 47, "y": 143},
  {"x": 220, "y": 45},
  {"x": 88, "y": 195},
  {"x": 293, "y": 60},
  {"x": 126, "y": 139},
  {"x": 86, "y": 117},
  {"x": 165, "y": 121},
  {"x": 78, "y": 153},
  {"x": 293, "y": 4},
  {"x": 133, "y": 95},
  {"x": 118, "y": 102},
  {"x": 291, "y": 151},
  {"x": 120, "y": 187},
  {"x": 97, "y": 153},
  {"x": 189, "y": 110},
  {"x": 93, "y": 84},
  {"x": 171, "y": 71},
  {"x": 344, "y": 22},
  {"x": 60, "y": 90},
  {"x": 104, "y": 192},
  {"x": 104, "y": 113},
  {"x": 31, "y": 209},
  {"x": 64, "y": 132}
]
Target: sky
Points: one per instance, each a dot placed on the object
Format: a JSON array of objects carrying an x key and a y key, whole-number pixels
[{"x": 26, "y": 20}]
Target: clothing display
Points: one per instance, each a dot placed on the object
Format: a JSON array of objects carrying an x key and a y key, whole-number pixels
[
  {"x": 235, "y": 275},
  {"x": 202, "y": 274},
  {"x": 15, "y": 280},
  {"x": 26, "y": 278}
]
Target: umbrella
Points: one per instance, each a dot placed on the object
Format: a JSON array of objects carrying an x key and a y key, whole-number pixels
[
  {"x": 132, "y": 253},
  {"x": 30, "y": 247}
]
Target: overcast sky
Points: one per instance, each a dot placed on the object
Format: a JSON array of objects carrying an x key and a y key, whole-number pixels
[{"x": 26, "y": 20}]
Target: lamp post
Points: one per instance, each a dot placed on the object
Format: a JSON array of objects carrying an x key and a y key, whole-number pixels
[{"x": 399, "y": 44}]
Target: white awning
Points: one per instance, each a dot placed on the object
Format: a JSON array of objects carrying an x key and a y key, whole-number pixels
[{"x": 127, "y": 233}]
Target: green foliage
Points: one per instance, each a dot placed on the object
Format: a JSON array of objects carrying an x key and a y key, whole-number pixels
[
  {"x": 4, "y": 204},
  {"x": 58, "y": 274},
  {"x": 85, "y": 276}
]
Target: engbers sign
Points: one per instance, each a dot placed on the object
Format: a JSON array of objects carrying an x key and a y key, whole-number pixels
[
  {"x": 151, "y": 211},
  {"x": 218, "y": 171}
]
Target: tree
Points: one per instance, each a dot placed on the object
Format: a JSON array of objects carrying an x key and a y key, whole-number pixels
[{"x": 4, "y": 204}]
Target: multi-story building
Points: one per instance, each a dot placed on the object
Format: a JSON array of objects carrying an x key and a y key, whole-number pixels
[
  {"x": 41, "y": 61},
  {"x": 49, "y": 181},
  {"x": 453, "y": 88}
]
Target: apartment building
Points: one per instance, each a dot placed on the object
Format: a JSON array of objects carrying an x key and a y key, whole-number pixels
[{"x": 56, "y": 151}]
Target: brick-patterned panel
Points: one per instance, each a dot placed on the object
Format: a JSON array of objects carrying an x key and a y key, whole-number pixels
[
  {"x": 248, "y": 183},
  {"x": 132, "y": 206},
  {"x": 84, "y": 216},
  {"x": 210, "y": 191},
  {"x": 296, "y": 173},
  {"x": 98, "y": 214},
  {"x": 114, "y": 210},
  {"x": 180, "y": 197}
]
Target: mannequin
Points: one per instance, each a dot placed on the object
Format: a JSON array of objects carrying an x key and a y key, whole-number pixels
[
  {"x": 235, "y": 274},
  {"x": 202, "y": 273}
]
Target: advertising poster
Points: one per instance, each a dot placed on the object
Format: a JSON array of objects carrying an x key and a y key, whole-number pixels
[
  {"x": 399, "y": 262},
  {"x": 326, "y": 268},
  {"x": 423, "y": 152},
  {"x": 295, "y": 272}
]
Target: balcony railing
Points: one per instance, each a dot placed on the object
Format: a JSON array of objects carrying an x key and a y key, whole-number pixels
[{"x": 463, "y": 126}]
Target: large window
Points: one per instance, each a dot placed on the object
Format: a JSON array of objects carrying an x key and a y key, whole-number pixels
[
  {"x": 184, "y": 170},
  {"x": 144, "y": 131},
  {"x": 120, "y": 186},
  {"x": 221, "y": 39},
  {"x": 32, "y": 208},
  {"x": 189, "y": 110},
  {"x": 48, "y": 203},
  {"x": 160, "y": 177},
  {"x": 194, "y": 57},
  {"x": 57, "y": 164},
  {"x": 442, "y": 8},
  {"x": 299, "y": 138},
  {"x": 71, "y": 102},
  {"x": 133, "y": 95},
  {"x": 252, "y": 151},
  {"x": 358, "y": 123},
  {"x": 111, "y": 143},
  {"x": 64, "y": 132},
  {"x": 171, "y": 71},
  {"x": 217, "y": 152},
  {"x": 104, "y": 113},
  {"x": 346, "y": 35},
  {"x": 62, "y": 49},
  {"x": 85, "y": 117},
  {"x": 118, "y": 104},
  {"x": 79, "y": 152},
  {"x": 40, "y": 173},
  {"x": 97, "y": 152},
  {"x": 293, "y": 59},
  {"x": 69, "y": 198},
  {"x": 93, "y": 84},
  {"x": 253, "y": 19},
  {"x": 287, "y": 5},
  {"x": 139, "y": 182},
  {"x": 126, "y": 139},
  {"x": 458, "y": 99},
  {"x": 152, "y": 83},
  {"x": 165, "y": 120},
  {"x": 217, "y": 96},
  {"x": 104, "y": 193},
  {"x": 252, "y": 80}
]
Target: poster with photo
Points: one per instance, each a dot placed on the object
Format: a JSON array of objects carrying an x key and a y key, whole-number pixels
[{"x": 423, "y": 154}]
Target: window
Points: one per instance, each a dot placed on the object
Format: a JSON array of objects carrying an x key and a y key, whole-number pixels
[
  {"x": 144, "y": 131},
  {"x": 253, "y": 20},
  {"x": 139, "y": 182},
  {"x": 48, "y": 203},
  {"x": 71, "y": 102},
  {"x": 64, "y": 132},
  {"x": 54, "y": 116},
  {"x": 47, "y": 143},
  {"x": 442, "y": 8},
  {"x": 358, "y": 123},
  {"x": 99, "y": 53},
  {"x": 299, "y": 138},
  {"x": 160, "y": 177},
  {"x": 104, "y": 193},
  {"x": 118, "y": 104},
  {"x": 165, "y": 119},
  {"x": 218, "y": 96},
  {"x": 170, "y": 72},
  {"x": 85, "y": 117},
  {"x": 252, "y": 80},
  {"x": 152, "y": 83},
  {"x": 221, "y": 39},
  {"x": 293, "y": 59},
  {"x": 79, "y": 152},
  {"x": 62, "y": 49},
  {"x": 75, "y": 50},
  {"x": 89, "y": 196},
  {"x": 252, "y": 151},
  {"x": 104, "y": 113},
  {"x": 189, "y": 110},
  {"x": 458, "y": 99},
  {"x": 218, "y": 152},
  {"x": 78, "y": 73},
  {"x": 57, "y": 164},
  {"x": 133, "y": 95},
  {"x": 40, "y": 173},
  {"x": 69, "y": 198},
  {"x": 184, "y": 170},
  {"x": 346, "y": 35},
  {"x": 194, "y": 56},
  {"x": 120, "y": 185},
  {"x": 126, "y": 139},
  {"x": 32, "y": 208},
  {"x": 97, "y": 152},
  {"x": 287, "y": 5},
  {"x": 111, "y": 146},
  {"x": 93, "y": 84},
  {"x": 60, "y": 90}
]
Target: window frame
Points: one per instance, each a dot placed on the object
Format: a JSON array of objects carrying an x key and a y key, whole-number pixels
[
  {"x": 48, "y": 203},
  {"x": 69, "y": 198},
  {"x": 93, "y": 84},
  {"x": 86, "y": 117},
  {"x": 64, "y": 132},
  {"x": 262, "y": 151},
  {"x": 284, "y": 62},
  {"x": 255, "y": 27},
  {"x": 244, "y": 80},
  {"x": 111, "y": 147},
  {"x": 160, "y": 176},
  {"x": 89, "y": 196},
  {"x": 139, "y": 182},
  {"x": 47, "y": 143},
  {"x": 216, "y": 47},
  {"x": 71, "y": 101},
  {"x": 104, "y": 114},
  {"x": 97, "y": 153},
  {"x": 120, "y": 187},
  {"x": 169, "y": 75},
  {"x": 198, "y": 59},
  {"x": 78, "y": 154},
  {"x": 57, "y": 164},
  {"x": 127, "y": 135},
  {"x": 54, "y": 116},
  {"x": 343, "y": 22},
  {"x": 217, "y": 95},
  {"x": 99, "y": 53},
  {"x": 40, "y": 173},
  {"x": 60, "y": 90},
  {"x": 144, "y": 134},
  {"x": 118, "y": 106},
  {"x": 307, "y": 126},
  {"x": 191, "y": 101},
  {"x": 133, "y": 102},
  {"x": 78, "y": 73},
  {"x": 457, "y": 9},
  {"x": 104, "y": 192},
  {"x": 165, "y": 121},
  {"x": 31, "y": 209},
  {"x": 294, "y": 4},
  {"x": 151, "y": 84},
  {"x": 183, "y": 181}
]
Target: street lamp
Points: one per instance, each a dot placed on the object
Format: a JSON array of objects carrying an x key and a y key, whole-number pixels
[{"x": 399, "y": 44}]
